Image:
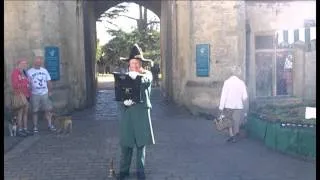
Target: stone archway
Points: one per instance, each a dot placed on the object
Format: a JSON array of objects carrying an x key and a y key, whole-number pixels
[
  {"x": 92, "y": 10},
  {"x": 102, "y": 6},
  {"x": 69, "y": 25}
]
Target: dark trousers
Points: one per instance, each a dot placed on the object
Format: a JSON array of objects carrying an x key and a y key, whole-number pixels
[{"x": 126, "y": 156}]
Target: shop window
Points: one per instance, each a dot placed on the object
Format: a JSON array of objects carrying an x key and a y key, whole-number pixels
[
  {"x": 264, "y": 74},
  {"x": 273, "y": 68},
  {"x": 264, "y": 42},
  {"x": 284, "y": 73}
]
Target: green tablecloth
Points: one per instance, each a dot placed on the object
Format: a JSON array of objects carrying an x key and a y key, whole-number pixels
[
  {"x": 256, "y": 127},
  {"x": 288, "y": 139}
]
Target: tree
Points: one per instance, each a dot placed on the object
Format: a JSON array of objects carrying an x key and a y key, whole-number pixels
[
  {"x": 120, "y": 10},
  {"x": 98, "y": 51},
  {"x": 120, "y": 45},
  {"x": 112, "y": 14}
]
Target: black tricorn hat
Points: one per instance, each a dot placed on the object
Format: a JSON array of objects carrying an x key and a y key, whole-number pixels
[{"x": 136, "y": 53}]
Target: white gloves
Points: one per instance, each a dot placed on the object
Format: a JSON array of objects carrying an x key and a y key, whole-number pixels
[
  {"x": 133, "y": 74},
  {"x": 128, "y": 102},
  {"x": 221, "y": 117}
]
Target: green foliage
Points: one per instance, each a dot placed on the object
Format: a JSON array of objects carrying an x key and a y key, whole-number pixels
[
  {"x": 293, "y": 113},
  {"x": 121, "y": 44},
  {"x": 112, "y": 14},
  {"x": 98, "y": 51}
]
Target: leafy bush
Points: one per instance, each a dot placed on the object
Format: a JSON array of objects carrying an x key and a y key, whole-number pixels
[{"x": 294, "y": 113}]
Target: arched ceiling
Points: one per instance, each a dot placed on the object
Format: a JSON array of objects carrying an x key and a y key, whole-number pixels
[{"x": 102, "y": 6}]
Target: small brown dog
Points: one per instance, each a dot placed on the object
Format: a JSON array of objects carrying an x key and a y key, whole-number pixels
[
  {"x": 13, "y": 126},
  {"x": 63, "y": 123}
]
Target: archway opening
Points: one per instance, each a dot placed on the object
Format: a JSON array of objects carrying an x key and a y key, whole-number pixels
[{"x": 117, "y": 29}]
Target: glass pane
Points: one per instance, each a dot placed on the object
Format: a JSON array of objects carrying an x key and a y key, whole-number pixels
[
  {"x": 284, "y": 73},
  {"x": 284, "y": 39},
  {"x": 264, "y": 42},
  {"x": 264, "y": 74}
]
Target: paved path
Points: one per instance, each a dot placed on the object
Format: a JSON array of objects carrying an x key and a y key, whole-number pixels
[{"x": 187, "y": 148}]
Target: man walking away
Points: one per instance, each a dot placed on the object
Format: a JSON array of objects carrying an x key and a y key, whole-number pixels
[{"x": 234, "y": 102}]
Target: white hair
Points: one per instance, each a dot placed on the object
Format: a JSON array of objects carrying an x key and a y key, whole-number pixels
[{"x": 236, "y": 71}]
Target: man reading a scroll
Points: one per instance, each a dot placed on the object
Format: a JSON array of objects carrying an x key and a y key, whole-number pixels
[{"x": 135, "y": 122}]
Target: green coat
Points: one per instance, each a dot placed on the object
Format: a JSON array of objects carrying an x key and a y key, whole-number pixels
[{"x": 135, "y": 121}]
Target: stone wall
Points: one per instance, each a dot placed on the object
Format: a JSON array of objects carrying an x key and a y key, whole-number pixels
[
  {"x": 31, "y": 25},
  {"x": 262, "y": 19},
  {"x": 268, "y": 17},
  {"x": 227, "y": 43},
  {"x": 223, "y": 25}
]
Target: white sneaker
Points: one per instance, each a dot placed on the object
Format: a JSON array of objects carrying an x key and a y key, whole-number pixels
[
  {"x": 35, "y": 130},
  {"x": 52, "y": 128}
]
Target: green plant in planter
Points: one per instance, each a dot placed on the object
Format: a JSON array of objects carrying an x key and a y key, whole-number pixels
[
  {"x": 256, "y": 126},
  {"x": 286, "y": 114},
  {"x": 284, "y": 128}
]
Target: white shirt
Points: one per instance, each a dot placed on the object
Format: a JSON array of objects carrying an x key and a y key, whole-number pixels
[
  {"x": 234, "y": 94},
  {"x": 38, "y": 79},
  {"x": 288, "y": 64}
]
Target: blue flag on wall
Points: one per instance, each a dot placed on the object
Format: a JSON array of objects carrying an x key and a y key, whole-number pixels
[
  {"x": 52, "y": 61},
  {"x": 202, "y": 60}
]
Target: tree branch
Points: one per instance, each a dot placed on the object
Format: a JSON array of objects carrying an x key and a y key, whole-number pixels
[
  {"x": 153, "y": 22},
  {"x": 128, "y": 17},
  {"x": 107, "y": 21}
]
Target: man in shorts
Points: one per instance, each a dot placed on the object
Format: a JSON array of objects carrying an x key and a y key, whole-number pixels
[
  {"x": 234, "y": 102},
  {"x": 41, "y": 89}
]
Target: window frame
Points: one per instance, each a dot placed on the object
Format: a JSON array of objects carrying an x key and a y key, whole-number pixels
[{"x": 274, "y": 50}]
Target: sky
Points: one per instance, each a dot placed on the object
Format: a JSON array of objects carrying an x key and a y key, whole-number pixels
[
  {"x": 124, "y": 23},
  {"x": 297, "y": 13}
]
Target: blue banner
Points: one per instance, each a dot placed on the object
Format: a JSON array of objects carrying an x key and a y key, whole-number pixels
[
  {"x": 52, "y": 61},
  {"x": 202, "y": 60}
]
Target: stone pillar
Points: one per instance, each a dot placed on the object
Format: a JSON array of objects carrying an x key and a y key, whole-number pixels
[
  {"x": 222, "y": 25},
  {"x": 72, "y": 52},
  {"x": 310, "y": 76},
  {"x": 89, "y": 48},
  {"x": 181, "y": 19},
  {"x": 166, "y": 48}
]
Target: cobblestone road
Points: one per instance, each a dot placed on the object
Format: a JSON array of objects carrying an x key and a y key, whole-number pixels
[{"x": 187, "y": 148}]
